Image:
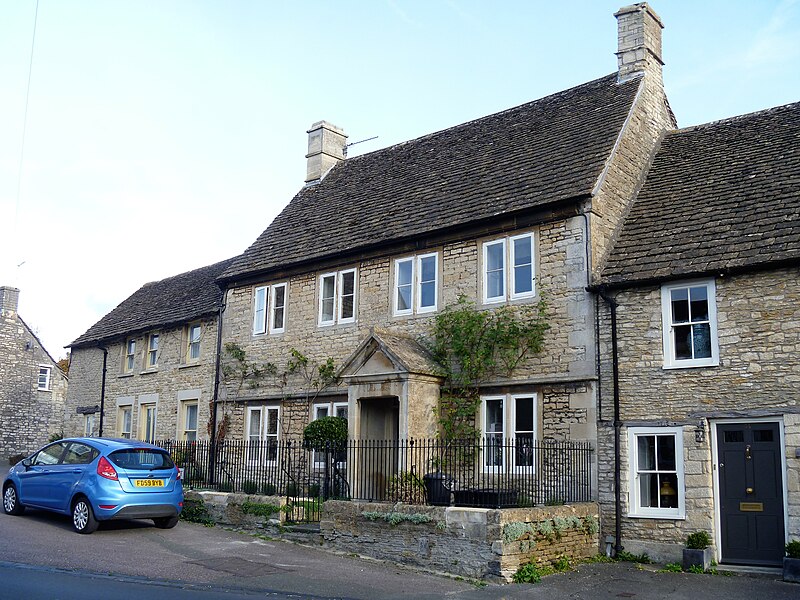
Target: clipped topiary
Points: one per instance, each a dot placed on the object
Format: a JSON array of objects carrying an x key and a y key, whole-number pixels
[
  {"x": 327, "y": 433},
  {"x": 699, "y": 540}
]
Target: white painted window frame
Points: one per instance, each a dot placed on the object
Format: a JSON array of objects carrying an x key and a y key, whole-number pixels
[
  {"x": 151, "y": 356},
  {"x": 635, "y": 509},
  {"x": 485, "y": 271},
  {"x": 264, "y": 308},
  {"x": 338, "y": 284},
  {"x": 47, "y": 371},
  {"x": 668, "y": 338},
  {"x": 184, "y": 419},
  {"x": 509, "y": 434},
  {"x": 129, "y": 355},
  {"x": 122, "y": 430},
  {"x": 416, "y": 284},
  {"x": 189, "y": 342},
  {"x": 510, "y": 279}
]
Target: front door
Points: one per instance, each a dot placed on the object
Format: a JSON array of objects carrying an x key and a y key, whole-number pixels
[{"x": 751, "y": 493}]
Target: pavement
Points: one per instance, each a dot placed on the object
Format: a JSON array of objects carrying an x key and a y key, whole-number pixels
[{"x": 202, "y": 558}]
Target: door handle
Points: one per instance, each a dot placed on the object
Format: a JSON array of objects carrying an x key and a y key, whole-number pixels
[
  {"x": 749, "y": 490},
  {"x": 747, "y": 452}
]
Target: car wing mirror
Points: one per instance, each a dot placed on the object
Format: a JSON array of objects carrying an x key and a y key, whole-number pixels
[{"x": 27, "y": 463}]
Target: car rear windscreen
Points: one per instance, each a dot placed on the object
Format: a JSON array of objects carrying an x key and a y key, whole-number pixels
[{"x": 141, "y": 458}]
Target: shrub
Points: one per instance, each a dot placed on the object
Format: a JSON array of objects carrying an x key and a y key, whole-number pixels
[
  {"x": 793, "y": 549},
  {"x": 269, "y": 489},
  {"x": 327, "y": 433},
  {"x": 292, "y": 489},
  {"x": 195, "y": 511},
  {"x": 699, "y": 540},
  {"x": 260, "y": 509},
  {"x": 250, "y": 487},
  {"x": 225, "y": 486},
  {"x": 314, "y": 490}
]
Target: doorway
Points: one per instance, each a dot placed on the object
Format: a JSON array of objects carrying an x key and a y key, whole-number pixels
[
  {"x": 378, "y": 444},
  {"x": 751, "y": 493}
]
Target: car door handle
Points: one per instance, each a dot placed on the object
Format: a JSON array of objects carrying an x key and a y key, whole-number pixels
[{"x": 76, "y": 470}]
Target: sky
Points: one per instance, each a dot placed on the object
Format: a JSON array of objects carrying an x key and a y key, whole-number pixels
[{"x": 139, "y": 140}]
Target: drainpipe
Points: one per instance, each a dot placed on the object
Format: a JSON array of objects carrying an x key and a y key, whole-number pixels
[
  {"x": 103, "y": 389},
  {"x": 217, "y": 368},
  {"x": 612, "y": 303}
]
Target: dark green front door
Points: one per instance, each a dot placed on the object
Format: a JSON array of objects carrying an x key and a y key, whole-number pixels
[{"x": 751, "y": 493}]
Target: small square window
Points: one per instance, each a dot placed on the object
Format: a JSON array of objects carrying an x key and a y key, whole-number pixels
[
  {"x": 269, "y": 309},
  {"x": 689, "y": 321},
  {"x": 656, "y": 472},
  {"x": 509, "y": 268},
  {"x": 416, "y": 284},
  {"x": 337, "y": 297},
  {"x": 189, "y": 420}
]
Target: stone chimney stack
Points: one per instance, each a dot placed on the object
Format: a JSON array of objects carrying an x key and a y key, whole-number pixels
[
  {"x": 639, "y": 34},
  {"x": 326, "y": 147},
  {"x": 9, "y": 300}
]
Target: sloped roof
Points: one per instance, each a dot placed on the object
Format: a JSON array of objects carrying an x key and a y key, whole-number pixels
[
  {"x": 719, "y": 197},
  {"x": 541, "y": 152},
  {"x": 402, "y": 349},
  {"x": 164, "y": 303}
]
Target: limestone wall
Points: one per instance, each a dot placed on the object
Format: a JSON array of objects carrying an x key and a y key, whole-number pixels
[
  {"x": 28, "y": 415},
  {"x": 758, "y": 375},
  {"x": 171, "y": 382}
]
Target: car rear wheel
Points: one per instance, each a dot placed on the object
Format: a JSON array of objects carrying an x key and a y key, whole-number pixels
[
  {"x": 11, "y": 503},
  {"x": 166, "y": 522},
  {"x": 83, "y": 517}
]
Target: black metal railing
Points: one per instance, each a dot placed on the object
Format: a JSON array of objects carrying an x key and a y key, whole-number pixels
[{"x": 489, "y": 472}]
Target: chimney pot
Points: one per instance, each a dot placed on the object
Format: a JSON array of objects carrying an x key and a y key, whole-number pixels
[{"x": 326, "y": 148}]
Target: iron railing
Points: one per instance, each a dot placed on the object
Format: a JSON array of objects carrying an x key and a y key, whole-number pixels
[{"x": 490, "y": 471}]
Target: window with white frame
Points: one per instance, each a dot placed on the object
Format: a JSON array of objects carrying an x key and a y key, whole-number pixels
[
  {"x": 152, "y": 351},
  {"x": 263, "y": 433},
  {"x": 43, "y": 383},
  {"x": 508, "y": 425},
  {"x": 657, "y": 489},
  {"x": 129, "y": 360},
  {"x": 193, "y": 337},
  {"x": 189, "y": 420},
  {"x": 269, "y": 309},
  {"x": 337, "y": 297},
  {"x": 689, "y": 322},
  {"x": 147, "y": 422},
  {"x": 416, "y": 284},
  {"x": 124, "y": 419},
  {"x": 509, "y": 268}
]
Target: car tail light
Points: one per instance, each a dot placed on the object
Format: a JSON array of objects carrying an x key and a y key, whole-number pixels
[
  {"x": 105, "y": 469},
  {"x": 177, "y": 474}
]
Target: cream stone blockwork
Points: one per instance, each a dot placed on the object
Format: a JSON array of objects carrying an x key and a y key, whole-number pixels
[
  {"x": 171, "y": 381},
  {"x": 759, "y": 338},
  {"x": 568, "y": 354}
]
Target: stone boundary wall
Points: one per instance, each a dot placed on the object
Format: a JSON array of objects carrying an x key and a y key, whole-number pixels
[{"x": 478, "y": 543}]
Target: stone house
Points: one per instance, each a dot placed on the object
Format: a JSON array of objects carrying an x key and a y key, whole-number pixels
[
  {"x": 704, "y": 281},
  {"x": 498, "y": 210},
  {"x": 32, "y": 386},
  {"x": 146, "y": 370}
]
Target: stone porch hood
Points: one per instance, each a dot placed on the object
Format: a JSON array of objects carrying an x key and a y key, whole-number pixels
[{"x": 386, "y": 366}]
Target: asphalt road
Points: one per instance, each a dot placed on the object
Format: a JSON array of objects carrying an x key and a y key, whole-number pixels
[{"x": 41, "y": 557}]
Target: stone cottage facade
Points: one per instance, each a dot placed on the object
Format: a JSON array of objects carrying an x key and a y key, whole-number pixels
[
  {"x": 498, "y": 210},
  {"x": 32, "y": 386},
  {"x": 705, "y": 280},
  {"x": 147, "y": 369}
]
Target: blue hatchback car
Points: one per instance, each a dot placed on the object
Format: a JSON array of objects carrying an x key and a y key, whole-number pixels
[{"x": 97, "y": 479}]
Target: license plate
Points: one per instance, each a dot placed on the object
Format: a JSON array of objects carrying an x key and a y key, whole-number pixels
[{"x": 148, "y": 483}]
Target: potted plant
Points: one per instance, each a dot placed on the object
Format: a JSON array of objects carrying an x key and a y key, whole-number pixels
[
  {"x": 791, "y": 562},
  {"x": 697, "y": 552}
]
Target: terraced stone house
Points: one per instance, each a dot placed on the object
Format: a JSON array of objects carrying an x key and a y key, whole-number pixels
[
  {"x": 32, "y": 386},
  {"x": 705, "y": 284},
  {"x": 146, "y": 370},
  {"x": 498, "y": 210}
]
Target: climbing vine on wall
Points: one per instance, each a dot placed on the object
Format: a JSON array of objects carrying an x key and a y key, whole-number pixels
[{"x": 475, "y": 346}]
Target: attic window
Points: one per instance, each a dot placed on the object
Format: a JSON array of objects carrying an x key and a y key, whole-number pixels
[
  {"x": 269, "y": 309},
  {"x": 509, "y": 268}
]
